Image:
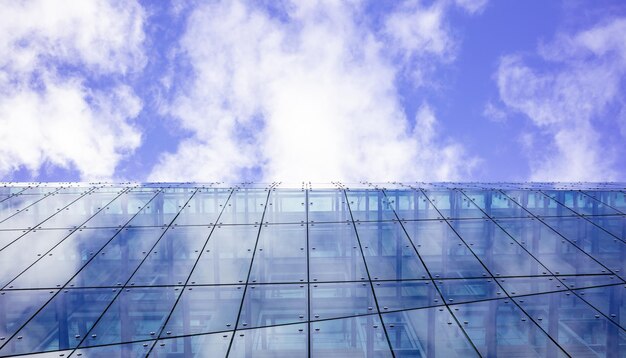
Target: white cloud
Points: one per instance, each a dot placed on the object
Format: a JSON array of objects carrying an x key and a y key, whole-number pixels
[
  {"x": 311, "y": 98},
  {"x": 472, "y": 6},
  {"x": 47, "y": 112},
  {"x": 494, "y": 113},
  {"x": 566, "y": 99},
  {"x": 418, "y": 30}
]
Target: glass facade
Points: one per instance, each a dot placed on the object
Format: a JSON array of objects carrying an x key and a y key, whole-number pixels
[{"x": 321, "y": 270}]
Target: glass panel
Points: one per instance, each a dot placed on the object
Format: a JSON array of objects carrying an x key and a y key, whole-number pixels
[
  {"x": 65, "y": 260},
  {"x": 138, "y": 349},
  {"x": 589, "y": 281},
  {"x": 610, "y": 300},
  {"x": 334, "y": 253},
  {"x": 388, "y": 252},
  {"x": 16, "y": 307},
  {"x": 576, "y": 326},
  {"x": 429, "y": 332},
  {"x": 8, "y": 236},
  {"x": 601, "y": 245},
  {"x": 615, "y": 225},
  {"x": 615, "y": 199},
  {"x": 17, "y": 203},
  {"x": 136, "y": 314},
  {"x": 361, "y": 336},
  {"x": 121, "y": 210},
  {"x": 280, "y": 255},
  {"x": 117, "y": 261},
  {"x": 227, "y": 255},
  {"x": 556, "y": 253},
  {"x": 538, "y": 204},
  {"x": 443, "y": 252},
  {"x": 458, "y": 291},
  {"x": 62, "y": 323},
  {"x": 245, "y": 206},
  {"x": 283, "y": 341},
  {"x": 11, "y": 190},
  {"x": 498, "y": 328},
  {"x": 266, "y": 305},
  {"x": 171, "y": 260},
  {"x": 334, "y": 300},
  {"x": 453, "y": 204},
  {"x": 581, "y": 203},
  {"x": 328, "y": 206},
  {"x": 495, "y": 204},
  {"x": 370, "y": 205},
  {"x": 286, "y": 206},
  {"x": 18, "y": 256},
  {"x": 204, "y": 310},
  {"x": 412, "y": 205},
  {"x": 79, "y": 212},
  {"x": 163, "y": 208},
  {"x": 204, "y": 207},
  {"x": 496, "y": 250},
  {"x": 406, "y": 295},
  {"x": 40, "y": 211},
  {"x": 206, "y": 345},
  {"x": 517, "y": 286}
]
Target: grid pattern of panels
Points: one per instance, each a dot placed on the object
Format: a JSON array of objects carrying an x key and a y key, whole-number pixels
[{"x": 283, "y": 270}]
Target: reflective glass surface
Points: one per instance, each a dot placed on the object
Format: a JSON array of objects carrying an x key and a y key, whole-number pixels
[
  {"x": 136, "y": 314},
  {"x": 334, "y": 253},
  {"x": 332, "y": 300},
  {"x": 313, "y": 270},
  {"x": 204, "y": 309},
  {"x": 207, "y": 345},
  {"x": 350, "y": 337},
  {"x": 576, "y": 326},
  {"x": 227, "y": 255},
  {"x": 267, "y": 305},
  {"x": 500, "y": 328},
  {"x": 278, "y": 341},
  {"x": 281, "y": 254},
  {"x": 440, "y": 337}
]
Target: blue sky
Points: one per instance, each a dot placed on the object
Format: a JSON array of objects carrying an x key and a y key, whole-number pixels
[{"x": 471, "y": 90}]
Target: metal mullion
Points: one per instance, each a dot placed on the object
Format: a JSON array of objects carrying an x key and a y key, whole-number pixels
[
  {"x": 65, "y": 238},
  {"x": 432, "y": 280},
  {"x": 121, "y": 288},
  {"x": 59, "y": 289},
  {"x": 191, "y": 271},
  {"x": 308, "y": 272},
  {"x": 489, "y": 271},
  {"x": 245, "y": 287},
  {"x": 382, "y": 323}
]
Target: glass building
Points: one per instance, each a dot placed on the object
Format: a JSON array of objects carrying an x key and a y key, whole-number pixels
[{"x": 322, "y": 270}]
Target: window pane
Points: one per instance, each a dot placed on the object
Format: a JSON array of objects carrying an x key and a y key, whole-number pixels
[
  {"x": 266, "y": 305},
  {"x": 429, "y": 332},
  {"x": 205, "y": 309},
  {"x": 334, "y": 253},
  {"x": 227, "y": 255}
]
